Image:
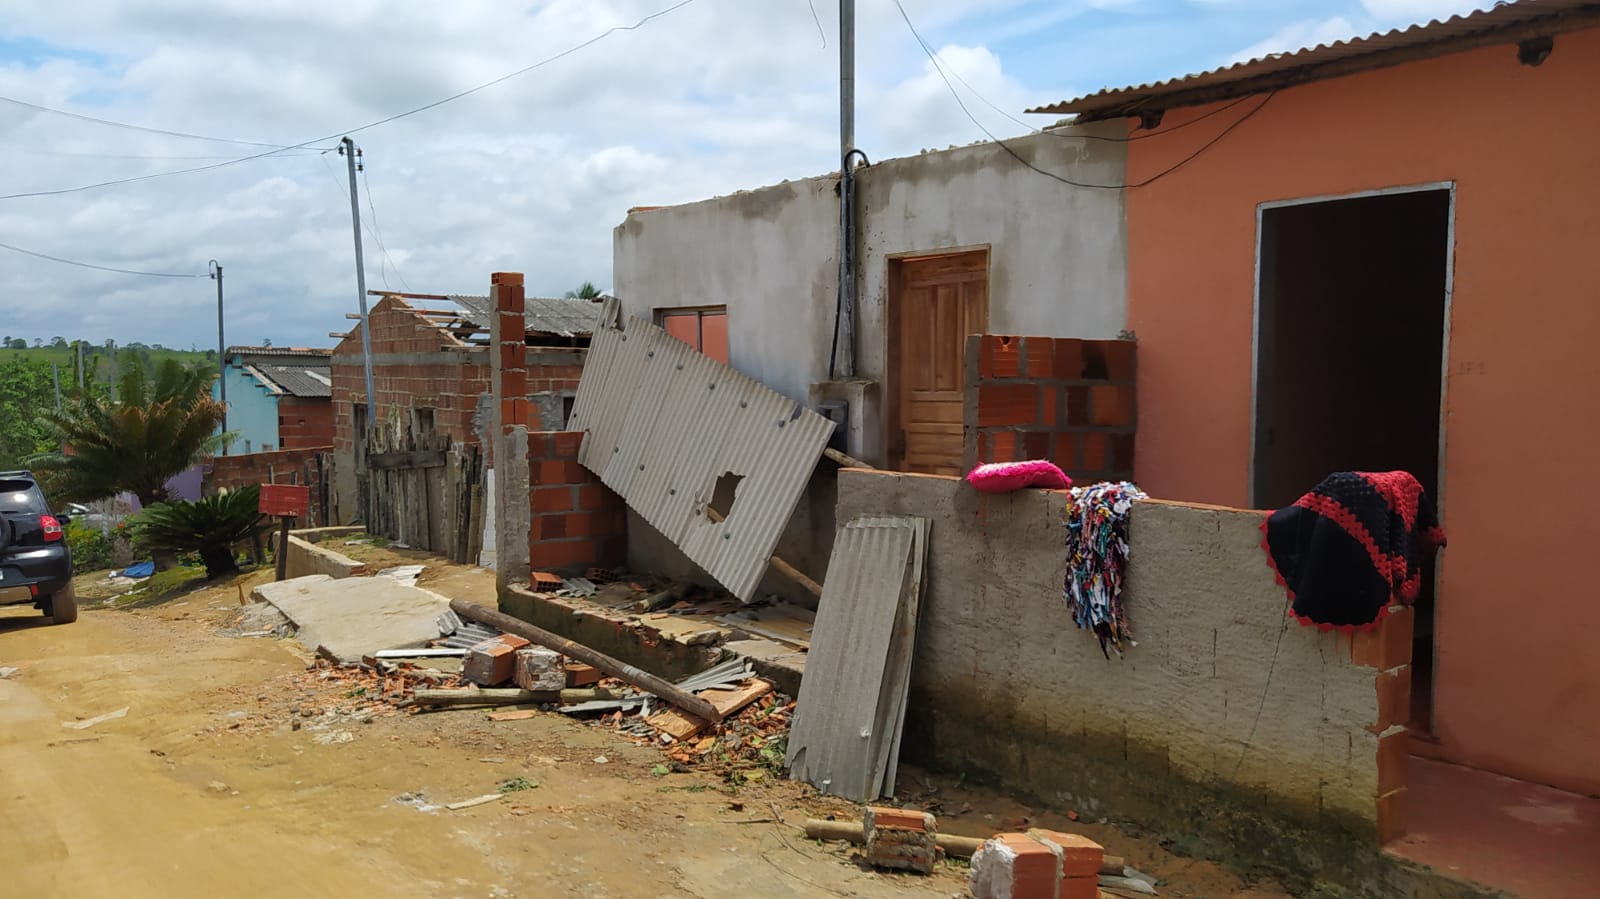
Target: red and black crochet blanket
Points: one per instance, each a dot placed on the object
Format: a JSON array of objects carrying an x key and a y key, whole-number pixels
[{"x": 1351, "y": 547}]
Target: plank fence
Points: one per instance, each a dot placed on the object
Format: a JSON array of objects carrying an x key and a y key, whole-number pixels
[{"x": 423, "y": 491}]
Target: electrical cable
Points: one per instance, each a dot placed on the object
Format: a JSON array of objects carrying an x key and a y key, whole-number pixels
[
  {"x": 103, "y": 268},
  {"x": 75, "y": 155},
  {"x": 1052, "y": 175},
  {"x": 377, "y": 233},
  {"x": 383, "y": 121},
  {"x": 818, "y": 19},
  {"x": 368, "y": 229},
  {"x": 131, "y": 127}
]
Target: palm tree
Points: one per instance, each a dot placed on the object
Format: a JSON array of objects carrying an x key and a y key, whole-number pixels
[
  {"x": 158, "y": 426},
  {"x": 210, "y": 526},
  {"x": 585, "y": 291}
]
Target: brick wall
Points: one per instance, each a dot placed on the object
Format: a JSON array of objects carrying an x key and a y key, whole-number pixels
[
  {"x": 1067, "y": 400},
  {"x": 577, "y": 521},
  {"x": 305, "y": 422},
  {"x": 291, "y": 466}
]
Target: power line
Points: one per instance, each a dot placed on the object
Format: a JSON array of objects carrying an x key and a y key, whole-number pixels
[
  {"x": 131, "y": 127},
  {"x": 75, "y": 155},
  {"x": 383, "y": 121},
  {"x": 102, "y": 268},
  {"x": 377, "y": 233},
  {"x": 1052, "y": 175},
  {"x": 818, "y": 19}
]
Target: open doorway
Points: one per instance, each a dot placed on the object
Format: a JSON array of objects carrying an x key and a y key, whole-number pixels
[{"x": 1351, "y": 320}]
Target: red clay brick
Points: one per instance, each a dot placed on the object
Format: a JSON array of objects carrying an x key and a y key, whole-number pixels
[
  {"x": 1036, "y": 870},
  {"x": 904, "y": 819},
  {"x": 538, "y": 445},
  {"x": 1002, "y": 447},
  {"x": 1392, "y": 816},
  {"x": 1393, "y": 750},
  {"x": 564, "y": 554},
  {"x": 1388, "y": 645},
  {"x": 1078, "y": 406},
  {"x": 1120, "y": 356},
  {"x": 1064, "y": 450},
  {"x": 1394, "y": 698},
  {"x": 567, "y": 444},
  {"x": 1094, "y": 361},
  {"x": 1122, "y": 453},
  {"x": 1068, "y": 359},
  {"x": 1113, "y": 406},
  {"x": 1007, "y": 404},
  {"x": 1049, "y": 406},
  {"x": 548, "y": 473},
  {"x": 552, "y": 499},
  {"x": 1040, "y": 353},
  {"x": 554, "y": 527},
  {"x": 1080, "y": 856},
  {"x": 1082, "y": 887},
  {"x": 998, "y": 357},
  {"x": 1096, "y": 451},
  {"x": 1036, "y": 445}
]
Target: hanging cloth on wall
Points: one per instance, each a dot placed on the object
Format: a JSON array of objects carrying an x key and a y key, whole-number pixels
[
  {"x": 1351, "y": 547},
  {"x": 1097, "y": 558}
]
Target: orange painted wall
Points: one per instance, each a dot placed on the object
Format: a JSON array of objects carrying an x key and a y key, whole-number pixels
[{"x": 1518, "y": 621}]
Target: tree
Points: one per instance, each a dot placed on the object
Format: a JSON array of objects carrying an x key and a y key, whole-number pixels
[
  {"x": 585, "y": 291},
  {"x": 26, "y": 388},
  {"x": 211, "y": 526},
  {"x": 158, "y": 426},
  {"x": 58, "y": 343}
]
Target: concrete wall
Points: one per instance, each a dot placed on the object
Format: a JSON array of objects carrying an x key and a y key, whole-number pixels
[
  {"x": 306, "y": 558},
  {"x": 252, "y": 412},
  {"x": 1225, "y": 724},
  {"x": 1520, "y": 363}
]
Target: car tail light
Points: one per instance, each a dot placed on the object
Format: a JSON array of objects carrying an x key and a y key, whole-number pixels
[{"x": 52, "y": 528}]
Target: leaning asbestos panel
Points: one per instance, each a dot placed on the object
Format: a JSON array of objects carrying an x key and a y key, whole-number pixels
[
  {"x": 847, "y": 727},
  {"x": 663, "y": 423}
]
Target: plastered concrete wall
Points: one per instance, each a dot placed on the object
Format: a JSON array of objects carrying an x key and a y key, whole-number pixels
[
  {"x": 1221, "y": 725},
  {"x": 306, "y": 558}
]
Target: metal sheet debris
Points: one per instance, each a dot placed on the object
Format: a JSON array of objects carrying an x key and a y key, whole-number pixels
[
  {"x": 673, "y": 432},
  {"x": 846, "y": 736}
]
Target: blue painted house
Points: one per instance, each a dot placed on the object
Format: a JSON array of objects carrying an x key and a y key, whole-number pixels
[{"x": 278, "y": 398}]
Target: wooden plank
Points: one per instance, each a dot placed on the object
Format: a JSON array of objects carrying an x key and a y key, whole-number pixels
[
  {"x": 681, "y": 725},
  {"x": 406, "y": 459},
  {"x": 518, "y": 715}
]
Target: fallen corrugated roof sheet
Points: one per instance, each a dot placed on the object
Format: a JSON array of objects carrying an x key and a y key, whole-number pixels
[
  {"x": 664, "y": 424},
  {"x": 1505, "y": 22},
  {"x": 543, "y": 315},
  {"x": 852, "y": 705}
]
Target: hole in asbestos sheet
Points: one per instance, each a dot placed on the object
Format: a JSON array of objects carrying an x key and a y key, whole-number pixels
[{"x": 725, "y": 492}]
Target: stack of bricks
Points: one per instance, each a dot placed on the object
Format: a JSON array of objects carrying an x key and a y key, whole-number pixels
[
  {"x": 538, "y": 668},
  {"x": 578, "y": 522},
  {"x": 901, "y": 839},
  {"x": 1040, "y": 864},
  {"x": 493, "y": 661},
  {"x": 1067, "y": 400},
  {"x": 1387, "y": 649}
]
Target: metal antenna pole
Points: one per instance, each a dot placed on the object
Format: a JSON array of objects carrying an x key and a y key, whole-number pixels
[
  {"x": 847, "y": 140},
  {"x": 222, "y": 350},
  {"x": 347, "y": 149}
]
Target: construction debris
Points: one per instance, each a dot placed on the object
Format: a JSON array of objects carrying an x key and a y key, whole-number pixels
[
  {"x": 539, "y": 668},
  {"x": 851, "y": 832},
  {"x": 493, "y": 661},
  {"x": 900, "y": 839},
  {"x": 1039, "y": 864},
  {"x": 87, "y": 723},
  {"x": 847, "y": 732},
  {"x": 434, "y": 698},
  {"x": 475, "y": 801}
]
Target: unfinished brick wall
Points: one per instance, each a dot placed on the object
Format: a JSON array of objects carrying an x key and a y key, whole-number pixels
[
  {"x": 1067, "y": 400},
  {"x": 305, "y": 422},
  {"x": 577, "y": 522},
  {"x": 308, "y": 465}
]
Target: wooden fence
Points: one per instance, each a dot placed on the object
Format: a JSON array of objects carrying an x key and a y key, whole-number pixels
[{"x": 422, "y": 491}]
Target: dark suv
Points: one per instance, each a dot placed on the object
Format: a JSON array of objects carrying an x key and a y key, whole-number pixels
[{"x": 35, "y": 564}]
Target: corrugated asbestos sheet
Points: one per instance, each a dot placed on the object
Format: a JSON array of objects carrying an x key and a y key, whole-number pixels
[
  {"x": 851, "y": 712},
  {"x": 543, "y": 315},
  {"x": 663, "y": 423}
]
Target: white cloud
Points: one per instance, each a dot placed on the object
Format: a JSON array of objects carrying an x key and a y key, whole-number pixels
[
  {"x": 1299, "y": 36},
  {"x": 1408, "y": 12}
]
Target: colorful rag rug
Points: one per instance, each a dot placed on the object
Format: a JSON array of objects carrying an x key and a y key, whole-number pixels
[
  {"x": 1097, "y": 557},
  {"x": 1351, "y": 547}
]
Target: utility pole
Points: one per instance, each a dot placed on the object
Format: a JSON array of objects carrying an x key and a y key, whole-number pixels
[
  {"x": 55, "y": 376},
  {"x": 78, "y": 345},
  {"x": 847, "y": 141},
  {"x": 352, "y": 158},
  {"x": 222, "y": 350},
  {"x": 111, "y": 351}
]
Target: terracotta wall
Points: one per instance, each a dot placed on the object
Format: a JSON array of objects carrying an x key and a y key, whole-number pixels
[
  {"x": 309, "y": 465},
  {"x": 1066, "y": 400},
  {"x": 1518, "y": 690},
  {"x": 577, "y": 522}
]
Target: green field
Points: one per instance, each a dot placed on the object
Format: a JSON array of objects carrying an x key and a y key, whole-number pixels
[{"x": 64, "y": 356}]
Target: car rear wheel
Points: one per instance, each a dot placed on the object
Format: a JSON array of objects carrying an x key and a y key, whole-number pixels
[{"x": 62, "y": 607}]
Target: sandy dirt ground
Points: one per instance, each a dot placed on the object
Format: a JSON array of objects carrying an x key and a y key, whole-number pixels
[{"x": 224, "y": 778}]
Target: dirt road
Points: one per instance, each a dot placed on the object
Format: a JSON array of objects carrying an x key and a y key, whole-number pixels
[{"x": 203, "y": 788}]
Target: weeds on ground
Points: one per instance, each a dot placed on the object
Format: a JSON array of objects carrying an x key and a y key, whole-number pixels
[{"x": 517, "y": 785}]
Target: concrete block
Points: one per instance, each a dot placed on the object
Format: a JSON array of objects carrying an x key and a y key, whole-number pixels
[{"x": 538, "y": 668}]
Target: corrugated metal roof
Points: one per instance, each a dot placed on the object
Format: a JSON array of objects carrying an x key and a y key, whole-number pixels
[
  {"x": 846, "y": 735},
  {"x": 290, "y": 351},
  {"x": 543, "y": 315},
  {"x": 663, "y": 423},
  {"x": 1506, "y": 22},
  {"x": 299, "y": 380}
]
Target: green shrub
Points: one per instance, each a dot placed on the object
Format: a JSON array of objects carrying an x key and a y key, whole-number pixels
[
  {"x": 209, "y": 527},
  {"x": 91, "y": 547}
]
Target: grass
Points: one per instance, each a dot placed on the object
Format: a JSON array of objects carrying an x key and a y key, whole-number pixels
[
  {"x": 164, "y": 585},
  {"x": 67, "y": 359}
]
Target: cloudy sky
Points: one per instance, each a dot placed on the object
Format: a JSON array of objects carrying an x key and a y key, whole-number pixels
[{"x": 528, "y": 175}]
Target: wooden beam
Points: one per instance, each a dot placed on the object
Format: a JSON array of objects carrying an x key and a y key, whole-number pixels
[{"x": 406, "y": 459}]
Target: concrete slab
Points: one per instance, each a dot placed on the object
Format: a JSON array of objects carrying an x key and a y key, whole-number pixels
[{"x": 344, "y": 619}]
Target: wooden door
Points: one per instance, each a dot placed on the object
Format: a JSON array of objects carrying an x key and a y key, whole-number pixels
[{"x": 936, "y": 302}]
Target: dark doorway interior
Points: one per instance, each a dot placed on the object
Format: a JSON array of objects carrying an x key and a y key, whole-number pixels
[{"x": 1350, "y": 349}]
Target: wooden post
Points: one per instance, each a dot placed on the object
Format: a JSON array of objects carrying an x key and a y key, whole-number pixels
[{"x": 282, "y": 560}]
